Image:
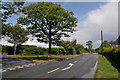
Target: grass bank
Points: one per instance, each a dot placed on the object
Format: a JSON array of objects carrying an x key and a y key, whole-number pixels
[
  {"x": 57, "y": 56},
  {"x": 105, "y": 69},
  {"x": 44, "y": 59}
]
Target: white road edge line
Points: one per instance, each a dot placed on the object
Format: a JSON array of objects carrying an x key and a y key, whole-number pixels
[
  {"x": 68, "y": 67},
  {"x": 53, "y": 70}
]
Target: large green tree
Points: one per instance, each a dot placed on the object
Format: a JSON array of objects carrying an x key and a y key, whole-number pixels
[
  {"x": 48, "y": 21},
  {"x": 17, "y": 36},
  {"x": 89, "y": 44}
]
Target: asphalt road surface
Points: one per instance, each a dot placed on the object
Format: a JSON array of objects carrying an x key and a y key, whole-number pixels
[{"x": 78, "y": 67}]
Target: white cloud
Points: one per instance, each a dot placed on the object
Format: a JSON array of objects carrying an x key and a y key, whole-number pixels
[
  {"x": 105, "y": 18},
  {"x": 36, "y": 43},
  {"x": 29, "y": 42},
  {"x": 6, "y": 43}
]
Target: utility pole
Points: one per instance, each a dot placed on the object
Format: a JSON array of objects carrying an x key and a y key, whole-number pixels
[{"x": 102, "y": 42}]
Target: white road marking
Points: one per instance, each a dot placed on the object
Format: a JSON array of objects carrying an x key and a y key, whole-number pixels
[
  {"x": 31, "y": 64},
  {"x": 70, "y": 65},
  {"x": 19, "y": 66},
  {"x": 75, "y": 61},
  {"x": 11, "y": 68},
  {"x": 3, "y": 70},
  {"x": 67, "y": 58},
  {"x": 53, "y": 70}
]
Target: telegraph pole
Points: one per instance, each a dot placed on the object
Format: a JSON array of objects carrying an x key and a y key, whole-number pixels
[{"x": 102, "y": 42}]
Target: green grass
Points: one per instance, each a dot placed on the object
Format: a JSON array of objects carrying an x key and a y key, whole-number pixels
[
  {"x": 105, "y": 69},
  {"x": 58, "y": 56},
  {"x": 43, "y": 61},
  {"x": 26, "y": 55}
]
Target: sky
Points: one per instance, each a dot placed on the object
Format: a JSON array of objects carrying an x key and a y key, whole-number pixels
[{"x": 92, "y": 18}]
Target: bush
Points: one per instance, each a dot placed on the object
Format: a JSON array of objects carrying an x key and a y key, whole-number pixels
[
  {"x": 33, "y": 50},
  {"x": 7, "y": 49},
  {"x": 58, "y": 51}
]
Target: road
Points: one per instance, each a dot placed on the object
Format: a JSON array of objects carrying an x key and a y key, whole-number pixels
[{"x": 78, "y": 67}]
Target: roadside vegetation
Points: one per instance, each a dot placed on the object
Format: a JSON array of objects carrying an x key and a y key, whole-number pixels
[
  {"x": 109, "y": 64},
  {"x": 105, "y": 69}
]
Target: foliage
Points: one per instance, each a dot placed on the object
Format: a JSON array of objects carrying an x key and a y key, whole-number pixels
[
  {"x": 17, "y": 35},
  {"x": 71, "y": 47},
  {"x": 7, "y": 49},
  {"x": 89, "y": 44},
  {"x": 5, "y": 30},
  {"x": 32, "y": 50},
  {"x": 118, "y": 40},
  {"x": 105, "y": 69},
  {"x": 79, "y": 48},
  {"x": 106, "y": 44},
  {"x": 48, "y": 21},
  {"x": 9, "y": 9}
]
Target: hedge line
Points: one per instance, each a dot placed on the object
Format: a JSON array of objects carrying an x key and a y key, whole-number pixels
[{"x": 33, "y": 50}]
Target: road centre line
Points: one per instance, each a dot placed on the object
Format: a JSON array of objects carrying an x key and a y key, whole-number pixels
[
  {"x": 53, "y": 70},
  {"x": 75, "y": 61},
  {"x": 70, "y": 65}
]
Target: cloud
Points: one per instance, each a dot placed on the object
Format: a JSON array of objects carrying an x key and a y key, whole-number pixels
[
  {"x": 36, "y": 43},
  {"x": 29, "y": 42},
  {"x": 105, "y": 18},
  {"x": 5, "y": 43}
]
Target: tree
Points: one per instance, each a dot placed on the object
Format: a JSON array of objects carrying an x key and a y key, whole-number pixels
[
  {"x": 48, "y": 22},
  {"x": 78, "y": 48},
  {"x": 89, "y": 44},
  {"x": 9, "y": 8},
  {"x": 118, "y": 40},
  {"x": 17, "y": 36},
  {"x": 106, "y": 44},
  {"x": 71, "y": 47},
  {"x": 68, "y": 46}
]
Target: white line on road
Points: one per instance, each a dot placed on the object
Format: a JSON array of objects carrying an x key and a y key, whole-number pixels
[
  {"x": 19, "y": 66},
  {"x": 53, "y": 70},
  {"x": 70, "y": 65},
  {"x": 11, "y": 68},
  {"x": 3, "y": 70},
  {"x": 75, "y": 61}
]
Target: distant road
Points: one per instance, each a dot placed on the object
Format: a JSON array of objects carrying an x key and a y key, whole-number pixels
[{"x": 78, "y": 67}]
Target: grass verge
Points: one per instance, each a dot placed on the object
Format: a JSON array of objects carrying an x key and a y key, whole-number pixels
[
  {"x": 43, "y": 61},
  {"x": 37, "y": 59},
  {"x": 57, "y": 56},
  {"x": 105, "y": 69}
]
